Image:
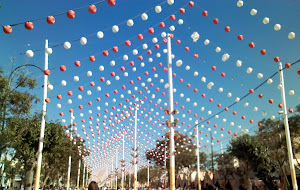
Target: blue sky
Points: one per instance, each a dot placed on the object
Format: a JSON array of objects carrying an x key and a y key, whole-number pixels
[{"x": 236, "y": 81}]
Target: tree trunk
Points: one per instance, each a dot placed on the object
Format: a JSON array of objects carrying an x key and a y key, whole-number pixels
[{"x": 28, "y": 178}]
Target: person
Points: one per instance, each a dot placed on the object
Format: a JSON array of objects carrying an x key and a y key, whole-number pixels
[{"x": 93, "y": 186}]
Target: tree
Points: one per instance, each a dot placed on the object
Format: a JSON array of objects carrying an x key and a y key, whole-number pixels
[
  {"x": 256, "y": 157},
  {"x": 225, "y": 164}
]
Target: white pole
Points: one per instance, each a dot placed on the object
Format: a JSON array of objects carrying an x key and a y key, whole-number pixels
[
  {"x": 70, "y": 158},
  {"x": 116, "y": 169},
  {"x": 123, "y": 159},
  {"x": 135, "y": 150},
  {"x": 198, "y": 156},
  {"x": 41, "y": 140},
  {"x": 170, "y": 78},
  {"x": 83, "y": 175},
  {"x": 148, "y": 175},
  {"x": 78, "y": 177},
  {"x": 287, "y": 130},
  {"x": 165, "y": 187}
]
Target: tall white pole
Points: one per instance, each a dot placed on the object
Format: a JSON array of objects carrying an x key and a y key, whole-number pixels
[
  {"x": 116, "y": 169},
  {"x": 148, "y": 175},
  {"x": 198, "y": 157},
  {"x": 78, "y": 177},
  {"x": 70, "y": 158},
  {"x": 83, "y": 175},
  {"x": 123, "y": 162},
  {"x": 170, "y": 78},
  {"x": 135, "y": 150},
  {"x": 287, "y": 130},
  {"x": 42, "y": 134}
]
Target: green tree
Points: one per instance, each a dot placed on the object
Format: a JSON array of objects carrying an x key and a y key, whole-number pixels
[
  {"x": 225, "y": 163},
  {"x": 256, "y": 157}
]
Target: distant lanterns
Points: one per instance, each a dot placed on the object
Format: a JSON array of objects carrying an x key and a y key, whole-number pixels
[
  {"x": 29, "y": 53},
  {"x": 50, "y": 20},
  {"x": 29, "y": 25},
  {"x": 92, "y": 9},
  {"x": 71, "y": 14}
]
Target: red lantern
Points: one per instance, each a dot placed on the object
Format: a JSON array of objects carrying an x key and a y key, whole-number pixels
[
  {"x": 276, "y": 59},
  {"x": 47, "y": 72},
  {"x": 240, "y": 37},
  {"x": 140, "y": 37},
  {"x": 251, "y": 91},
  {"x": 260, "y": 95},
  {"x": 71, "y": 14},
  {"x": 77, "y": 63},
  {"x": 251, "y": 45},
  {"x": 70, "y": 93},
  {"x": 271, "y": 101},
  {"x": 227, "y": 29},
  {"x": 172, "y": 17},
  {"x": 62, "y": 68},
  {"x": 243, "y": 117},
  {"x": 291, "y": 110},
  {"x": 111, "y": 2},
  {"x": 115, "y": 49},
  {"x": 127, "y": 43},
  {"x": 50, "y": 20},
  {"x": 151, "y": 30},
  {"x": 191, "y": 3},
  {"x": 259, "y": 124},
  {"x": 229, "y": 132},
  {"x": 235, "y": 134},
  {"x": 92, "y": 9},
  {"x": 251, "y": 121},
  {"x": 181, "y": 10},
  {"x": 186, "y": 48},
  {"x": 161, "y": 24},
  {"x": 234, "y": 113},
  {"x": 92, "y": 58},
  {"x": 196, "y": 55},
  {"x": 298, "y": 71},
  {"x": 222, "y": 74},
  {"x": 210, "y": 99},
  {"x": 204, "y": 13},
  {"x": 7, "y": 29},
  {"x": 219, "y": 105},
  {"x": 226, "y": 109},
  {"x": 216, "y": 21},
  {"x": 105, "y": 53},
  {"x": 263, "y": 52},
  {"x": 61, "y": 113},
  {"x": 213, "y": 68},
  {"x": 287, "y": 65},
  {"x": 59, "y": 96},
  {"x": 29, "y": 25},
  {"x": 47, "y": 100},
  {"x": 156, "y": 46}
]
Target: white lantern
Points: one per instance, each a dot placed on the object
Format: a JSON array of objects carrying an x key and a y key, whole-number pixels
[
  {"x": 277, "y": 27},
  {"x": 266, "y": 20},
  {"x": 112, "y": 63},
  {"x": 172, "y": 28},
  {"x": 220, "y": 89},
  {"x": 63, "y": 83},
  {"x": 98, "y": 88},
  {"x": 49, "y": 51},
  {"x": 144, "y": 16},
  {"x": 172, "y": 56},
  {"x": 253, "y": 12},
  {"x": 158, "y": 55},
  {"x": 108, "y": 82},
  {"x": 178, "y": 63},
  {"x": 188, "y": 100},
  {"x": 292, "y": 35},
  {"x": 63, "y": 120},
  {"x": 158, "y": 9},
  {"x": 170, "y": 2},
  {"x": 195, "y": 104},
  {"x": 231, "y": 123},
  {"x": 272, "y": 117},
  {"x": 58, "y": 105},
  {"x": 29, "y": 53},
  {"x": 89, "y": 73},
  {"x": 67, "y": 45},
  {"x": 249, "y": 70},
  {"x": 76, "y": 78},
  {"x": 240, "y": 3},
  {"x": 224, "y": 120},
  {"x": 202, "y": 108},
  {"x": 238, "y": 63},
  {"x": 150, "y": 60},
  {"x": 161, "y": 80},
  {"x": 218, "y": 49},
  {"x": 217, "y": 116},
  {"x": 89, "y": 92},
  {"x": 130, "y": 22},
  {"x": 83, "y": 40},
  {"x": 225, "y": 57},
  {"x": 165, "y": 51},
  {"x": 246, "y": 104},
  {"x": 155, "y": 40},
  {"x": 264, "y": 113},
  {"x": 115, "y": 29},
  {"x": 260, "y": 75},
  {"x": 125, "y": 74},
  {"x": 196, "y": 73},
  {"x": 125, "y": 57},
  {"x": 229, "y": 95},
  {"x": 145, "y": 46},
  {"x": 163, "y": 34},
  {"x": 100, "y": 34},
  {"x": 69, "y": 101},
  {"x": 195, "y": 36},
  {"x": 50, "y": 87},
  {"x": 255, "y": 109},
  {"x": 270, "y": 81},
  {"x": 101, "y": 68},
  {"x": 180, "y": 21},
  {"x": 209, "y": 112},
  {"x": 134, "y": 69},
  {"x": 237, "y": 99},
  {"x": 135, "y": 52},
  {"x": 142, "y": 64},
  {"x": 291, "y": 92},
  {"x": 79, "y": 97},
  {"x": 117, "y": 78},
  {"x": 206, "y": 42}
]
